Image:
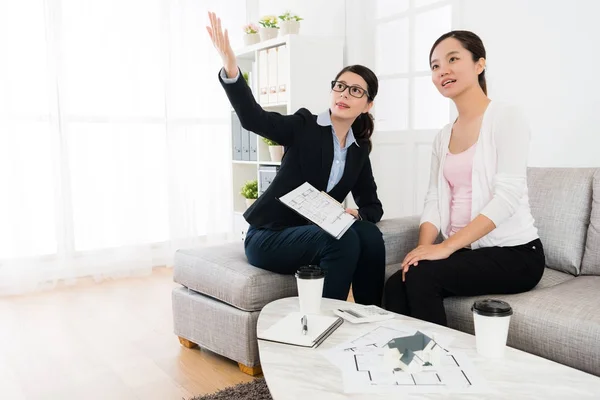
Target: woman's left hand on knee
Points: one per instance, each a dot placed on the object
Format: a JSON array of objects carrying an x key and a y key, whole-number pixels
[{"x": 425, "y": 252}]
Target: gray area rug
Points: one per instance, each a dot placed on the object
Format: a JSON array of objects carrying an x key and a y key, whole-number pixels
[{"x": 254, "y": 390}]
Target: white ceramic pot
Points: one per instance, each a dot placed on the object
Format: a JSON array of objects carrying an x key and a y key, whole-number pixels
[
  {"x": 251, "y": 38},
  {"x": 267, "y": 33},
  {"x": 249, "y": 202},
  {"x": 276, "y": 153},
  {"x": 289, "y": 27}
]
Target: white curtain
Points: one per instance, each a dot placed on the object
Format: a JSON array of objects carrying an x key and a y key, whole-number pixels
[{"x": 114, "y": 146}]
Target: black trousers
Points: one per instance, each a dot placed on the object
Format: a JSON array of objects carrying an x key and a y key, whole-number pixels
[
  {"x": 490, "y": 270},
  {"x": 357, "y": 258}
]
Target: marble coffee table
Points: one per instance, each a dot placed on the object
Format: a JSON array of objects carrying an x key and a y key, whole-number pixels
[{"x": 295, "y": 372}]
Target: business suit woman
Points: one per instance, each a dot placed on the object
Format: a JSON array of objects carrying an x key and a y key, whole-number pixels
[{"x": 331, "y": 152}]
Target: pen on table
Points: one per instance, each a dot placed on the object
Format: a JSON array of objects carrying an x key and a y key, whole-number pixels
[{"x": 304, "y": 322}]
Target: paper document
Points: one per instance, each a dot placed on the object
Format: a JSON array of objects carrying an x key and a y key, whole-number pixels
[
  {"x": 364, "y": 363},
  {"x": 320, "y": 208}
]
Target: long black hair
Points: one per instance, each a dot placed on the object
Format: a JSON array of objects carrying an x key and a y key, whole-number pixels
[{"x": 363, "y": 126}]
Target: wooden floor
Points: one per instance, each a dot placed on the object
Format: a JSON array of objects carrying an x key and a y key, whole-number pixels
[{"x": 113, "y": 340}]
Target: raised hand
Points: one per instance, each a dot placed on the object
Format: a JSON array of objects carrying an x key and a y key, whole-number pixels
[{"x": 220, "y": 40}]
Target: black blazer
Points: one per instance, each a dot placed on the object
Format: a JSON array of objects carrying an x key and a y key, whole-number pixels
[{"x": 308, "y": 158}]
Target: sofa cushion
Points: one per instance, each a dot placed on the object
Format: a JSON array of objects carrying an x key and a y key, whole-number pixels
[
  {"x": 591, "y": 256},
  {"x": 391, "y": 269},
  {"x": 551, "y": 278},
  {"x": 561, "y": 216},
  {"x": 400, "y": 236},
  {"x": 458, "y": 309},
  {"x": 223, "y": 272},
  {"x": 559, "y": 322}
]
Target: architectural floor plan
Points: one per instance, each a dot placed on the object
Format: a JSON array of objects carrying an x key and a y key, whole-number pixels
[{"x": 364, "y": 362}]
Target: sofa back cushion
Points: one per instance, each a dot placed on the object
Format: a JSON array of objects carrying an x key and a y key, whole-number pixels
[
  {"x": 560, "y": 200},
  {"x": 591, "y": 256}
]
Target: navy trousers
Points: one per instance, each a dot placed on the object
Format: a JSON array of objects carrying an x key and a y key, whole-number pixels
[{"x": 357, "y": 258}]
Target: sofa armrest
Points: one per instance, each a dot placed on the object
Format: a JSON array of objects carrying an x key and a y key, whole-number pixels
[{"x": 400, "y": 235}]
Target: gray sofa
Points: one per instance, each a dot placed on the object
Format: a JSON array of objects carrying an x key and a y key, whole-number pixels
[
  {"x": 221, "y": 295},
  {"x": 560, "y": 318}
]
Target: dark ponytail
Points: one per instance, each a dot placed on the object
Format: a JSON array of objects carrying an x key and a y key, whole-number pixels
[
  {"x": 363, "y": 126},
  {"x": 482, "y": 81}
]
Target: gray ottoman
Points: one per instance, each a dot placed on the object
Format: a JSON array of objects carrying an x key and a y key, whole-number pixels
[{"x": 218, "y": 304}]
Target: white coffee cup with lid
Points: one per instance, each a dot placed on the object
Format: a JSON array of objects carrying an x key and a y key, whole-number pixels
[
  {"x": 310, "y": 280},
  {"x": 492, "y": 320}
]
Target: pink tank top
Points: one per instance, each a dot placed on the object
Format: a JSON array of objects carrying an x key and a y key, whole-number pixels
[{"x": 458, "y": 170}]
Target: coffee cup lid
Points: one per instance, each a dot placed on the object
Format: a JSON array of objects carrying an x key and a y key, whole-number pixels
[
  {"x": 492, "y": 308},
  {"x": 310, "y": 272}
]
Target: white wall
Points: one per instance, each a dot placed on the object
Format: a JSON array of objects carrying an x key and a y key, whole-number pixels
[
  {"x": 543, "y": 55},
  {"x": 347, "y": 19},
  {"x": 321, "y": 18},
  {"x": 360, "y": 33}
]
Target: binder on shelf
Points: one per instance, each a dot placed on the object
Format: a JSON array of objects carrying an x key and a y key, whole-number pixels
[
  {"x": 266, "y": 174},
  {"x": 272, "y": 70},
  {"x": 263, "y": 77},
  {"x": 282, "y": 74},
  {"x": 289, "y": 330},
  {"x": 245, "y": 145},
  {"x": 253, "y": 146},
  {"x": 236, "y": 137}
]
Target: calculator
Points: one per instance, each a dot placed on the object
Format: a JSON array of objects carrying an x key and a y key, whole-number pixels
[{"x": 361, "y": 314}]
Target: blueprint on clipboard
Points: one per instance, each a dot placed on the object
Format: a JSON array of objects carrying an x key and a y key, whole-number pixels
[
  {"x": 365, "y": 370},
  {"x": 319, "y": 208}
]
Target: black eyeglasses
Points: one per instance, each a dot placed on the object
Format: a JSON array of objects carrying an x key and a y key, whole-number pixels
[{"x": 354, "y": 91}]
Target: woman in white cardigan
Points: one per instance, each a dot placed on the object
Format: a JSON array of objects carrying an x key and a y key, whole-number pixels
[{"x": 477, "y": 197}]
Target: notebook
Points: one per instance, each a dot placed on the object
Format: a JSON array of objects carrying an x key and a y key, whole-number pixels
[
  {"x": 288, "y": 330},
  {"x": 320, "y": 208}
]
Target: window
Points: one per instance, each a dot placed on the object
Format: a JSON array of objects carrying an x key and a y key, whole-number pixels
[
  {"x": 409, "y": 111},
  {"x": 113, "y": 135}
]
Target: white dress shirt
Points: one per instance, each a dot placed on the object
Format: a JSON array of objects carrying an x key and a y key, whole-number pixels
[{"x": 339, "y": 153}]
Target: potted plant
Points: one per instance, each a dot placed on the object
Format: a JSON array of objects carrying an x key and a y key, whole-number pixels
[
  {"x": 269, "y": 27},
  {"x": 251, "y": 34},
  {"x": 275, "y": 150},
  {"x": 250, "y": 192},
  {"x": 290, "y": 23}
]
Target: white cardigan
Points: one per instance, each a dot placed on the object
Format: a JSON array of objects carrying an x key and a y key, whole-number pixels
[{"x": 499, "y": 179}]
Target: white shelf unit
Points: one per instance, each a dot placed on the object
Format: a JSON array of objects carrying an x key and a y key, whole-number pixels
[{"x": 309, "y": 64}]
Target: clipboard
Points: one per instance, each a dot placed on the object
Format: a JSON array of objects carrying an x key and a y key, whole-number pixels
[{"x": 319, "y": 208}]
